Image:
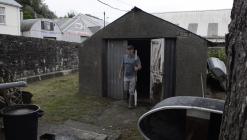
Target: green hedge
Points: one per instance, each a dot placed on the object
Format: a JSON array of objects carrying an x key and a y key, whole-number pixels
[{"x": 217, "y": 52}]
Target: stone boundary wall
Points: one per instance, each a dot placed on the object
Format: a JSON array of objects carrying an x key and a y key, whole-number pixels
[{"x": 28, "y": 57}]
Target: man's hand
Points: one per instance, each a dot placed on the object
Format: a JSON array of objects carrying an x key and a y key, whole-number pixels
[{"x": 136, "y": 68}]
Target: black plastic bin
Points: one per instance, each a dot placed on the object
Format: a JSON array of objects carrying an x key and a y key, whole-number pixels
[{"x": 21, "y": 122}]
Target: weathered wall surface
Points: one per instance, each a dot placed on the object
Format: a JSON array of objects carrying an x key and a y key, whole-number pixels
[
  {"x": 191, "y": 66},
  {"x": 25, "y": 56},
  {"x": 91, "y": 68}
]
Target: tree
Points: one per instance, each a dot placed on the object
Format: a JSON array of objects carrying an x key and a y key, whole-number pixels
[
  {"x": 28, "y": 12},
  {"x": 70, "y": 14},
  {"x": 35, "y": 9},
  {"x": 234, "y": 121}
]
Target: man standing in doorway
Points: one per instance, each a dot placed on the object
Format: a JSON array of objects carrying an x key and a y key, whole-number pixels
[{"x": 131, "y": 64}]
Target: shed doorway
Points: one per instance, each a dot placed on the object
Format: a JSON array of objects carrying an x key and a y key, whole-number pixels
[
  {"x": 156, "y": 79},
  {"x": 142, "y": 47}
]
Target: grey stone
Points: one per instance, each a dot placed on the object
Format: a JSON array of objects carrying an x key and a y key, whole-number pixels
[
  {"x": 112, "y": 134},
  {"x": 64, "y": 132}
]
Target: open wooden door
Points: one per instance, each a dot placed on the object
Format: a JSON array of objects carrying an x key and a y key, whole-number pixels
[{"x": 156, "y": 69}]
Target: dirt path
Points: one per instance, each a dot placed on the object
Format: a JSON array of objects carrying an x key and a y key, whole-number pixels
[{"x": 119, "y": 117}]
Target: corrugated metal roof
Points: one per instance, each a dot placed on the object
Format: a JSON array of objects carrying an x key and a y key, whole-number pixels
[
  {"x": 61, "y": 21},
  {"x": 94, "y": 29},
  {"x": 26, "y": 25},
  {"x": 10, "y": 2},
  {"x": 92, "y": 21},
  {"x": 65, "y": 22}
]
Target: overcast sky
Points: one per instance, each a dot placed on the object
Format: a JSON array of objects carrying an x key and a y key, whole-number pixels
[{"x": 94, "y": 7}]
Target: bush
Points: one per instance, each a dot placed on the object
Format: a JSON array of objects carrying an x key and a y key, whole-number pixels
[{"x": 218, "y": 52}]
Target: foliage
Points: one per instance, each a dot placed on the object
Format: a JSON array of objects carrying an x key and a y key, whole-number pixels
[
  {"x": 35, "y": 9},
  {"x": 217, "y": 52},
  {"x": 70, "y": 14}
]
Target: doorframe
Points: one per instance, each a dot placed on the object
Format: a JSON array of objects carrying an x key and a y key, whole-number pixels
[
  {"x": 104, "y": 68},
  {"x": 169, "y": 76}
]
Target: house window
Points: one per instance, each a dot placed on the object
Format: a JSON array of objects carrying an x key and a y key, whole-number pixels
[
  {"x": 83, "y": 38},
  {"x": 50, "y": 38},
  {"x": 2, "y": 15},
  {"x": 46, "y": 25},
  {"x": 193, "y": 27},
  {"x": 212, "y": 29}
]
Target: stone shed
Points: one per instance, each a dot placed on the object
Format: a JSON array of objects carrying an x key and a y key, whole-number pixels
[{"x": 173, "y": 59}]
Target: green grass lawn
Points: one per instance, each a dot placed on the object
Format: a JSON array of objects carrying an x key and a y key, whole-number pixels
[{"x": 60, "y": 100}]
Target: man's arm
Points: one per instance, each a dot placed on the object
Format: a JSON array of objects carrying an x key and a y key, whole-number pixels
[{"x": 138, "y": 66}]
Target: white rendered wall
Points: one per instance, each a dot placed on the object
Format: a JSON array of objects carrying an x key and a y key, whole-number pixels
[
  {"x": 183, "y": 19},
  {"x": 13, "y": 21},
  {"x": 76, "y": 32},
  {"x": 37, "y": 32}
]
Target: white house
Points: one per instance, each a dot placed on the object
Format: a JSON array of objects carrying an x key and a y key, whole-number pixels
[
  {"x": 79, "y": 28},
  {"x": 41, "y": 28},
  {"x": 10, "y": 17},
  {"x": 211, "y": 24},
  {"x": 76, "y": 29}
]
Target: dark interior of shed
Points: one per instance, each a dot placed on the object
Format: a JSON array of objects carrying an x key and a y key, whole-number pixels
[{"x": 143, "y": 83}]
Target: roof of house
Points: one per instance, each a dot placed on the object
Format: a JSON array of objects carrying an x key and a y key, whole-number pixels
[
  {"x": 65, "y": 22},
  {"x": 94, "y": 29},
  {"x": 88, "y": 20},
  {"x": 27, "y": 24},
  {"x": 10, "y": 2},
  {"x": 94, "y": 21}
]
